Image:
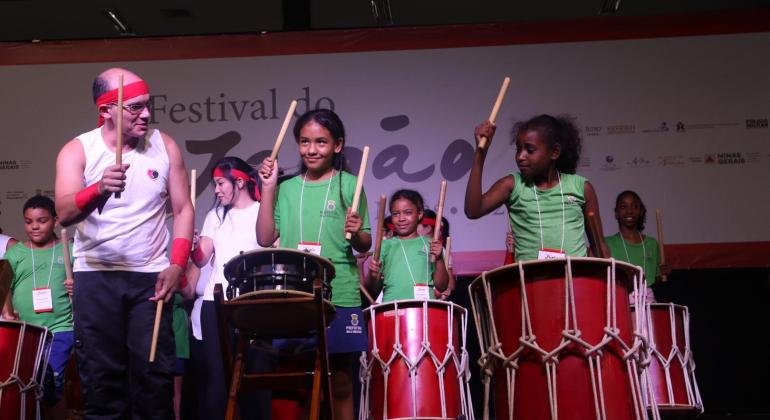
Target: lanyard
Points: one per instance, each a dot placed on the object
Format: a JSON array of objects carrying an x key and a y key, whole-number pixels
[
  {"x": 644, "y": 249},
  {"x": 409, "y": 267},
  {"x": 540, "y": 217},
  {"x": 326, "y": 199},
  {"x": 34, "y": 268}
]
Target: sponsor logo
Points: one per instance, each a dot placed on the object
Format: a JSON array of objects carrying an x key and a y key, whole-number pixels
[
  {"x": 710, "y": 159},
  {"x": 621, "y": 129},
  {"x": 585, "y": 162},
  {"x": 354, "y": 328},
  {"x": 353, "y": 319},
  {"x": 152, "y": 173},
  {"x": 671, "y": 160},
  {"x": 695, "y": 159},
  {"x": 756, "y": 123},
  {"x": 16, "y": 195},
  {"x": 14, "y": 164},
  {"x": 731, "y": 158},
  {"x": 639, "y": 162},
  {"x": 753, "y": 157},
  {"x": 593, "y": 130},
  {"x": 46, "y": 193},
  {"x": 680, "y": 126},
  {"x": 331, "y": 205},
  {"x": 609, "y": 164},
  {"x": 661, "y": 128}
]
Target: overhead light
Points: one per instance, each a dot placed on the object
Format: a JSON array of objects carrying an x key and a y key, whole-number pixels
[
  {"x": 118, "y": 23},
  {"x": 609, "y": 7}
]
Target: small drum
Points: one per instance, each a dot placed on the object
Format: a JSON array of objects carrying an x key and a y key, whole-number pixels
[
  {"x": 25, "y": 349},
  {"x": 669, "y": 379},
  {"x": 558, "y": 339},
  {"x": 417, "y": 365},
  {"x": 276, "y": 269}
]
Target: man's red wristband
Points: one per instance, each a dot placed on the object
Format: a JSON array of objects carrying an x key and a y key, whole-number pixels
[
  {"x": 180, "y": 251},
  {"x": 87, "y": 197}
]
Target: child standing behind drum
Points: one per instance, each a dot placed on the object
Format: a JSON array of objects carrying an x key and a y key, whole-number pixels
[
  {"x": 39, "y": 293},
  {"x": 404, "y": 268},
  {"x": 311, "y": 212},
  {"x": 630, "y": 245},
  {"x": 547, "y": 203}
]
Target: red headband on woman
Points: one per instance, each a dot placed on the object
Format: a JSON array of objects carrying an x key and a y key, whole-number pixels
[
  {"x": 131, "y": 90},
  {"x": 237, "y": 174}
]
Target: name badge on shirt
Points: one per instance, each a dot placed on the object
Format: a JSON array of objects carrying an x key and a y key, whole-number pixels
[
  {"x": 421, "y": 292},
  {"x": 549, "y": 254},
  {"x": 310, "y": 247},
  {"x": 42, "y": 300}
]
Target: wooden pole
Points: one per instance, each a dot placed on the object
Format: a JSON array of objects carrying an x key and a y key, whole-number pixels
[
  {"x": 284, "y": 127},
  {"x": 193, "y": 186},
  {"x": 156, "y": 329},
  {"x": 495, "y": 109},
  {"x": 661, "y": 245},
  {"x": 119, "y": 143},
  {"x": 359, "y": 185},
  {"x": 439, "y": 214}
]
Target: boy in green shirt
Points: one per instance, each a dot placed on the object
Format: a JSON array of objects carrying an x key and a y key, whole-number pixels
[{"x": 40, "y": 290}]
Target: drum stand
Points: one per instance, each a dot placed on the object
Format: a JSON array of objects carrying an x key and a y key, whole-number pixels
[{"x": 276, "y": 314}]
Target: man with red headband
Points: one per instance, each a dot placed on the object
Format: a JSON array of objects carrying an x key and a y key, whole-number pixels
[{"x": 121, "y": 268}]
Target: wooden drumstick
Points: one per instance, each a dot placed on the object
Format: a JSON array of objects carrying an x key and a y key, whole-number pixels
[
  {"x": 593, "y": 228},
  {"x": 661, "y": 246},
  {"x": 380, "y": 228},
  {"x": 193, "y": 186},
  {"x": 156, "y": 330},
  {"x": 284, "y": 127},
  {"x": 359, "y": 185},
  {"x": 439, "y": 215},
  {"x": 495, "y": 109},
  {"x": 119, "y": 144},
  {"x": 66, "y": 253},
  {"x": 448, "y": 254}
]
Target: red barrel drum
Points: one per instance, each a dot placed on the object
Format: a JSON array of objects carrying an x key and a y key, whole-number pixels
[
  {"x": 558, "y": 341},
  {"x": 416, "y": 366}
]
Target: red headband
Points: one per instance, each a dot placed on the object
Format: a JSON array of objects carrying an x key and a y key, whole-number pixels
[
  {"x": 428, "y": 221},
  {"x": 237, "y": 174},
  {"x": 131, "y": 90}
]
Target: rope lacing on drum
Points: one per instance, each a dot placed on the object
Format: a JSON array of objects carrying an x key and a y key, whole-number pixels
[{"x": 35, "y": 383}]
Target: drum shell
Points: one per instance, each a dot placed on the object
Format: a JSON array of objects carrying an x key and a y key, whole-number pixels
[
  {"x": 401, "y": 326},
  {"x": 666, "y": 329},
  {"x": 549, "y": 308},
  {"x": 32, "y": 345}
]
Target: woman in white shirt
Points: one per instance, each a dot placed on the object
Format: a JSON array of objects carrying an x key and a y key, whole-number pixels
[{"x": 227, "y": 230}]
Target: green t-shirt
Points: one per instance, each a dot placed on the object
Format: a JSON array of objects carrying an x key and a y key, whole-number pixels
[
  {"x": 526, "y": 220},
  {"x": 20, "y": 259},
  {"x": 180, "y": 322},
  {"x": 403, "y": 272},
  {"x": 328, "y": 218},
  {"x": 643, "y": 254}
]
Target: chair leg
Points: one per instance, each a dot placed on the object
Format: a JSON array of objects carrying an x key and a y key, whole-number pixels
[
  {"x": 316, "y": 390},
  {"x": 232, "y": 412}
]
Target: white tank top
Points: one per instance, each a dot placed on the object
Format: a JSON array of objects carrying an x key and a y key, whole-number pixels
[
  {"x": 3, "y": 244},
  {"x": 130, "y": 233}
]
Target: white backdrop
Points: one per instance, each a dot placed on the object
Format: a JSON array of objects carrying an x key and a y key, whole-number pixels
[{"x": 683, "y": 121}]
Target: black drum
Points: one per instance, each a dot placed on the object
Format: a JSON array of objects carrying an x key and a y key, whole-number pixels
[{"x": 276, "y": 269}]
